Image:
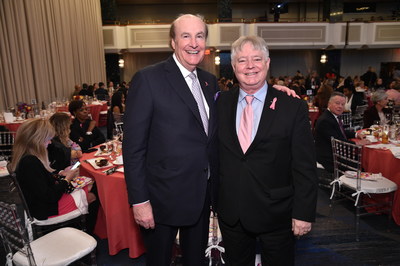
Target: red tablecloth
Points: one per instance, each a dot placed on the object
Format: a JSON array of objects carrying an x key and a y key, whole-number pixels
[
  {"x": 383, "y": 161},
  {"x": 94, "y": 109},
  {"x": 115, "y": 220},
  {"x": 13, "y": 127}
]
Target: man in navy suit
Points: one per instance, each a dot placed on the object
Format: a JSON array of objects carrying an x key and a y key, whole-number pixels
[
  {"x": 170, "y": 151},
  {"x": 268, "y": 191}
]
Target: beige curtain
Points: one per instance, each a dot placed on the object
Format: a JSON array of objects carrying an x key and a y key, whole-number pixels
[{"x": 48, "y": 46}]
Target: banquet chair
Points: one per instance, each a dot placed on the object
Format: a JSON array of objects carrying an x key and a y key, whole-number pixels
[
  {"x": 120, "y": 127},
  {"x": 349, "y": 184},
  {"x": 6, "y": 144},
  {"x": 358, "y": 116},
  {"x": 61, "y": 247},
  {"x": 324, "y": 177},
  {"x": 37, "y": 228},
  {"x": 347, "y": 120}
]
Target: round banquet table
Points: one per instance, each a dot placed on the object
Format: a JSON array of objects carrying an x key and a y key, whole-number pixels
[
  {"x": 383, "y": 161},
  {"x": 115, "y": 219},
  {"x": 12, "y": 127}
]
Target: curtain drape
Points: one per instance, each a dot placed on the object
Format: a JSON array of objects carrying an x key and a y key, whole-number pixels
[{"x": 48, "y": 46}]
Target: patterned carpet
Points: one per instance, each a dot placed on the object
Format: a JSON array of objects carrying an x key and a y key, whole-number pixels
[{"x": 332, "y": 240}]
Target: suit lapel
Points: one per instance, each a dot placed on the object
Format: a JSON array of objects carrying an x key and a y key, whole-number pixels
[
  {"x": 178, "y": 83},
  {"x": 267, "y": 118}
]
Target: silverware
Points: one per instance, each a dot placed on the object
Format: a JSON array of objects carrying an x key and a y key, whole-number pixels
[{"x": 111, "y": 170}]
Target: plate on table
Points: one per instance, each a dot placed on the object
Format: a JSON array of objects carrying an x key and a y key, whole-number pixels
[
  {"x": 93, "y": 163},
  {"x": 104, "y": 150},
  {"x": 363, "y": 175},
  {"x": 121, "y": 169},
  {"x": 81, "y": 181},
  {"x": 118, "y": 161}
]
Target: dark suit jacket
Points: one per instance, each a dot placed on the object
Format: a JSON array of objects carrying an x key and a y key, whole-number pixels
[
  {"x": 326, "y": 127},
  {"x": 371, "y": 115},
  {"x": 275, "y": 180},
  {"x": 166, "y": 151}
]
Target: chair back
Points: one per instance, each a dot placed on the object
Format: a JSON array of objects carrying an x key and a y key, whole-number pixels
[
  {"x": 358, "y": 117},
  {"x": 347, "y": 120},
  {"x": 360, "y": 109},
  {"x": 119, "y": 126},
  {"x": 12, "y": 232},
  {"x": 346, "y": 157},
  {"x": 6, "y": 144}
]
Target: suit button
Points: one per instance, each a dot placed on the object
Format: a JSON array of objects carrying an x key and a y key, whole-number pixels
[
  {"x": 205, "y": 170},
  {"x": 244, "y": 159}
]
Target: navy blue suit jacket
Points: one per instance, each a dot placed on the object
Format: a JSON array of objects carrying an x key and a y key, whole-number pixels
[
  {"x": 326, "y": 127},
  {"x": 167, "y": 154}
]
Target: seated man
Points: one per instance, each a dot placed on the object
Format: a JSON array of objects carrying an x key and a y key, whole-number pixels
[{"x": 329, "y": 125}]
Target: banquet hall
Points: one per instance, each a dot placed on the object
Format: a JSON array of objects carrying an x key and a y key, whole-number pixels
[{"x": 55, "y": 52}]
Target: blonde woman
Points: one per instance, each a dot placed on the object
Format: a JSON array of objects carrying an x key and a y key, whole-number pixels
[
  {"x": 63, "y": 152},
  {"x": 45, "y": 195}
]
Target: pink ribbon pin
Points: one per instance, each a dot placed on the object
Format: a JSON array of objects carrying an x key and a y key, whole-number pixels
[{"x": 272, "y": 106}]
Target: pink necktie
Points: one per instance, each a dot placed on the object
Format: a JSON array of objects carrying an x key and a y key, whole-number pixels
[{"x": 246, "y": 124}]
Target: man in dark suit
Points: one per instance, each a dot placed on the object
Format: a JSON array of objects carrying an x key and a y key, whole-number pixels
[
  {"x": 101, "y": 93},
  {"x": 268, "y": 182},
  {"x": 170, "y": 151},
  {"x": 327, "y": 126}
]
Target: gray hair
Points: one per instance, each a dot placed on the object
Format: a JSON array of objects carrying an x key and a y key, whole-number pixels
[
  {"x": 336, "y": 93},
  {"x": 257, "y": 42},
  {"x": 378, "y": 95}
]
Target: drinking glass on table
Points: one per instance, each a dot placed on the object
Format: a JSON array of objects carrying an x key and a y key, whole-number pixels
[{"x": 385, "y": 134}]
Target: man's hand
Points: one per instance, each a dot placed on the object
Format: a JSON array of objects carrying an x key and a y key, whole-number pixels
[
  {"x": 300, "y": 228},
  {"x": 143, "y": 214},
  {"x": 287, "y": 90}
]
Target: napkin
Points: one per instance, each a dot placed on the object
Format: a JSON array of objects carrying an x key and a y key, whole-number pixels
[
  {"x": 8, "y": 117},
  {"x": 393, "y": 148},
  {"x": 395, "y": 151}
]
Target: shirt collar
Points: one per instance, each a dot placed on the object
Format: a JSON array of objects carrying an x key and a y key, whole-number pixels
[
  {"x": 183, "y": 70},
  {"x": 259, "y": 95},
  {"x": 336, "y": 116}
]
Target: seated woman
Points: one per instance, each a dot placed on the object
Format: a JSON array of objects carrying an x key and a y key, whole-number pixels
[
  {"x": 376, "y": 113},
  {"x": 118, "y": 106},
  {"x": 353, "y": 99},
  {"x": 83, "y": 130},
  {"x": 63, "y": 152},
  {"x": 44, "y": 193},
  {"x": 116, "y": 112}
]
